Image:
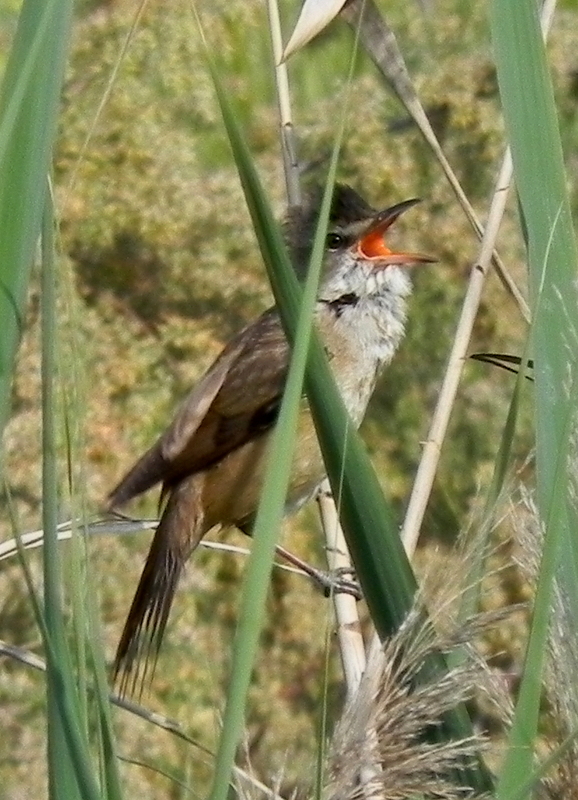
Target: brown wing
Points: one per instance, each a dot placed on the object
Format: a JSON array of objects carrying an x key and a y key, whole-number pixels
[
  {"x": 246, "y": 402},
  {"x": 236, "y": 400}
]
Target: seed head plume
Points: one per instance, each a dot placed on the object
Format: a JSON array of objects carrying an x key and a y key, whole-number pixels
[{"x": 380, "y": 749}]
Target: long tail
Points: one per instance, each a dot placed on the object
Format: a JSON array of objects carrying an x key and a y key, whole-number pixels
[{"x": 179, "y": 532}]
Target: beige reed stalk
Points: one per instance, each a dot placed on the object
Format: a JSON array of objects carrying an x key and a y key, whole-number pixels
[
  {"x": 351, "y": 645},
  {"x": 432, "y": 450}
]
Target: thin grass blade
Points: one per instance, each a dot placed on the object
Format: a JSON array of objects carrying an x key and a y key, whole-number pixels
[{"x": 69, "y": 763}]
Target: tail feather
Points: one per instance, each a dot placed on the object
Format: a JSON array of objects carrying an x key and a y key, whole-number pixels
[
  {"x": 142, "y": 635},
  {"x": 179, "y": 531},
  {"x": 149, "y": 470}
]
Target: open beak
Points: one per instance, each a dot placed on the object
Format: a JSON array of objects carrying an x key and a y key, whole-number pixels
[{"x": 371, "y": 244}]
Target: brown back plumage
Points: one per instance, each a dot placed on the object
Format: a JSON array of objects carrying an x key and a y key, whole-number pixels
[{"x": 229, "y": 406}]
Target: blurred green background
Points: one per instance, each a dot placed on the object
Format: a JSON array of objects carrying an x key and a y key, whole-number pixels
[{"x": 161, "y": 267}]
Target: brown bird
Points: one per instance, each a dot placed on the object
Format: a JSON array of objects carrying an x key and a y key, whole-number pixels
[{"x": 211, "y": 458}]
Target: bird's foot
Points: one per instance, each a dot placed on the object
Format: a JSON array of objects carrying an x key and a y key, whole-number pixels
[
  {"x": 341, "y": 581},
  {"x": 338, "y": 581}
]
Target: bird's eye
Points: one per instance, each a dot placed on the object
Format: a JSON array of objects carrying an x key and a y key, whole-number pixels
[{"x": 334, "y": 241}]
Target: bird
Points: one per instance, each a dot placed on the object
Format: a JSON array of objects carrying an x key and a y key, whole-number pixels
[{"x": 211, "y": 458}]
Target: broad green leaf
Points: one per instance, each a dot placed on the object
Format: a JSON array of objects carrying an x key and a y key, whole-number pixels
[{"x": 532, "y": 127}]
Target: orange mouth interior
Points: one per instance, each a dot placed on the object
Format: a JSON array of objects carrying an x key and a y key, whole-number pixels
[{"x": 373, "y": 245}]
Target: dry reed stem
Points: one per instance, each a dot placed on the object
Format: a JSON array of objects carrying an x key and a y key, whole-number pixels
[
  {"x": 432, "y": 449},
  {"x": 349, "y": 634},
  {"x": 380, "y": 42}
]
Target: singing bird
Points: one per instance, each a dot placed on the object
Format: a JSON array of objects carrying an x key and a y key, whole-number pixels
[{"x": 211, "y": 458}]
